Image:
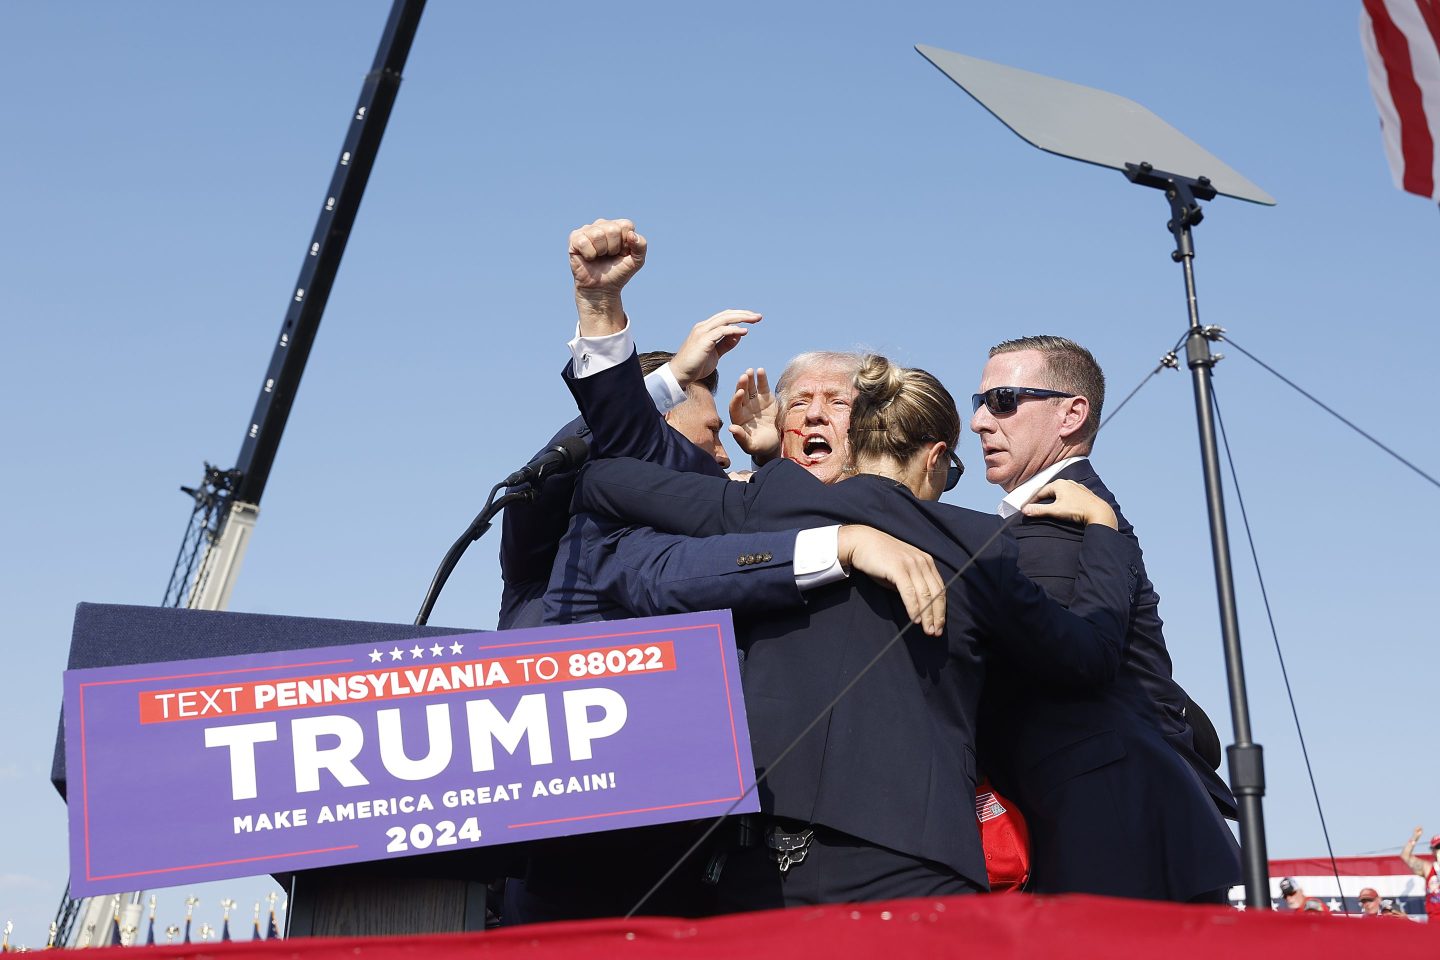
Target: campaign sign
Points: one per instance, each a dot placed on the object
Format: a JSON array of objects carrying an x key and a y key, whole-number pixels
[{"x": 197, "y": 770}]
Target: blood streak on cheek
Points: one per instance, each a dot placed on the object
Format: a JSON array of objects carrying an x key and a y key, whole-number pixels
[{"x": 803, "y": 460}]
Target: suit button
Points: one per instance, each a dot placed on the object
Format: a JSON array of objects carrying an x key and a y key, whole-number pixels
[
  {"x": 739, "y": 561},
  {"x": 765, "y": 557}
]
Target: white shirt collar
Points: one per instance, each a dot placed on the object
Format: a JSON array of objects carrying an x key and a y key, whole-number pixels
[{"x": 1024, "y": 493}]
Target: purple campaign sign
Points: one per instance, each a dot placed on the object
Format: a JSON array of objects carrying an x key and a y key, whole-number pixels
[{"x": 197, "y": 770}]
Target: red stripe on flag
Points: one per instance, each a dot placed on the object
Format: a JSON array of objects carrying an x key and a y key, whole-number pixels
[
  {"x": 1430, "y": 13},
  {"x": 1415, "y": 143},
  {"x": 1372, "y": 866}
]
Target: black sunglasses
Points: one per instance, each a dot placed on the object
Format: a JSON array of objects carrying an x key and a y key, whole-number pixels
[
  {"x": 956, "y": 469},
  {"x": 1002, "y": 400}
]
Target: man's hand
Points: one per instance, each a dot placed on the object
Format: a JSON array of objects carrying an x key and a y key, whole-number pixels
[
  {"x": 709, "y": 340},
  {"x": 753, "y": 417},
  {"x": 603, "y": 257},
  {"x": 1073, "y": 502},
  {"x": 900, "y": 567}
]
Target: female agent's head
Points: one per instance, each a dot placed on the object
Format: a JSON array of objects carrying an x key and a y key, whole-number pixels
[{"x": 904, "y": 425}]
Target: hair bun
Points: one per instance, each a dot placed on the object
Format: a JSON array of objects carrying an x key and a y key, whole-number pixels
[{"x": 879, "y": 381}]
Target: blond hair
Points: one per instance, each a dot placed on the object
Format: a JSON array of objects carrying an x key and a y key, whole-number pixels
[{"x": 898, "y": 410}]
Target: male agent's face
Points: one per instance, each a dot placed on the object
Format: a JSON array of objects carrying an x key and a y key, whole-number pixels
[
  {"x": 815, "y": 421},
  {"x": 1019, "y": 444},
  {"x": 699, "y": 421}
]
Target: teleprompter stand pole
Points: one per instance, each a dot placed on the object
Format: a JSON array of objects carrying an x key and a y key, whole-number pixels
[{"x": 1247, "y": 769}]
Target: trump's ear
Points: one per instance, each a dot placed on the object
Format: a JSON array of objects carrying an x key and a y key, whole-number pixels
[{"x": 1074, "y": 412}]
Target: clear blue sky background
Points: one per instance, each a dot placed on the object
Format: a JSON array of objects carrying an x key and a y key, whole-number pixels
[{"x": 162, "y": 169}]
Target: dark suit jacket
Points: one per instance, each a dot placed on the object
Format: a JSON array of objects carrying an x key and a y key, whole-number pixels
[
  {"x": 893, "y": 761},
  {"x": 608, "y": 570},
  {"x": 530, "y": 533},
  {"x": 1118, "y": 800},
  {"x": 618, "y": 418}
]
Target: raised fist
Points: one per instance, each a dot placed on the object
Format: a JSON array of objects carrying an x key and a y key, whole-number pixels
[{"x": 604, "y": 255}]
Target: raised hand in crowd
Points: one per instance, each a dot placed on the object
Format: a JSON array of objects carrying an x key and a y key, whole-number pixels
[
  {"x": 1421, "y": 868},
  {"x": 707, "y": 342},
  {"x": 909, "y": 571},
  {"x": 753, "y": 416},
  {"x": 604, "y": 255}
]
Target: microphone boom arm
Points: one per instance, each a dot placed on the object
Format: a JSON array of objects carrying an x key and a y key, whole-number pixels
[{"x": 474, "y": 532}]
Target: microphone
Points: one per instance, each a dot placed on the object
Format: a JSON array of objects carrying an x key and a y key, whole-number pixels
[{"x": 569, "y": 453}]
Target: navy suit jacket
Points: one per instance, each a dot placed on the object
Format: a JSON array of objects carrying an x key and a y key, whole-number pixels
[
  {"x": 608, "y": 570},
  {"x": 530, "y": 533},
  {"x": 1118, "y": 800},
  {"x": 893, "y": 761}
]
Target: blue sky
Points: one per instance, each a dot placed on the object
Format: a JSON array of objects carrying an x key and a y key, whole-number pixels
[{"x": 162, "y": 169}]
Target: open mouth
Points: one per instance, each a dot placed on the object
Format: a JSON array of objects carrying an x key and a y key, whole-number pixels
[{"x": 815, "y": 448}]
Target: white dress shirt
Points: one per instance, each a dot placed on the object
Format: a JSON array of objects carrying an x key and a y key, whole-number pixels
[{"x": 1024, "y": 493}]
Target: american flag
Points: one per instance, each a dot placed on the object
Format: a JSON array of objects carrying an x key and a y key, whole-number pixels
[
  {"x": 1385, "y": 873},
  {"x": 1402, "y": 51},
  {"x": 987, "y": 807}
]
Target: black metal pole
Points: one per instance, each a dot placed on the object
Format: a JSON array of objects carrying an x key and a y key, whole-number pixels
[
  {"x": 1247, "y": 772},
  {"x": 327, "y": 246},
  {"x": 1247, "y": 768}
]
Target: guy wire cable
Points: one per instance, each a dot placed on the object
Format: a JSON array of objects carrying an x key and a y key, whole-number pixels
[
  {"x": 824, "y": 712},
  {"x": 1275, "y": 635},
  {"x": 1222, "y": 335},
  {"x": 1169, "y": 360}
]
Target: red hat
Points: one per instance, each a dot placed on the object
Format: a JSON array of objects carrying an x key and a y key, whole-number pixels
[
  {"x": 1368, "y": 892},
  {"x": 1435, "y": 841}
]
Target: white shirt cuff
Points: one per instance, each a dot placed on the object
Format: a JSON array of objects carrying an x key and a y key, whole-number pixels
[
  {"x": 817, "y": 558},
  {"x": 594, "y": 354},
  {"x": 664, "y": 389}
]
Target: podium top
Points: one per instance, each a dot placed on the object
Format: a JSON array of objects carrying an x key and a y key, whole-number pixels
[{"x": 1084, "y": 123}]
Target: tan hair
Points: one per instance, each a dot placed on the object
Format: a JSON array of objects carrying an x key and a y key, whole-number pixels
[
  {"x": 1072, "y": 369},
  {"x": 655, "y": 359},
  {"x": 898, "y": 410}
]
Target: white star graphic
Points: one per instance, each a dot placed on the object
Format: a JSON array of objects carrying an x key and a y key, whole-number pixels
[
  {"x": 416, "y": 652},
  {"x": 396, "y": 654},
  {"x": 375, "y": 656},
  {"x": 457, "y": 648},
  {"x": 436, "y": 650}
]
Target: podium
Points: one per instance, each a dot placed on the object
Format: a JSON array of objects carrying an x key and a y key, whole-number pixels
[{"x": 431, "y": 894}]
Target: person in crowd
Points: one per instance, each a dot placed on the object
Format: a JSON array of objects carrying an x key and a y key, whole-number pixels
[
  {"x": 869, "y": 780},
  {"x": 1293, "y": 897},
  {"x": 1427, "y": 869},
  {"x": 1373, "y": 905},
  {"x": 1117, "y": 799}
]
